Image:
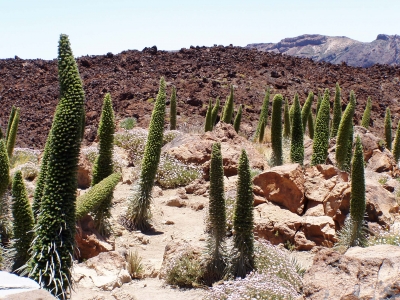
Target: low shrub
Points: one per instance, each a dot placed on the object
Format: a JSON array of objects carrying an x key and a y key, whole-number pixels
[
  {"x": 169, "y": 135},
  {"x": 24, "y": 155},
  {"x": 128, "y": 123},
  {"x": 132, "y": 141},
  {"x": 172, "y": 173},
  {"x": 90, "y": 153},
  {"x": 29, "y": 170},
  {"x": 134, "y": 265},
  {"x": 184, "y": 270},
  {"x": 387, "y": 237}
]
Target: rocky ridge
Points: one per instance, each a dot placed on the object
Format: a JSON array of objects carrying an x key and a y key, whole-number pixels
[{"x": 337, "y": 49}]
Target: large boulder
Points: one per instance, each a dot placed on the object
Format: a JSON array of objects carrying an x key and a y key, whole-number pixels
[
  {"x": 283, "y": 185},
  {"x": 196, "y": 149},
  {"x": 279, "y": 225},
  {"x": 369, "y": 141},
  {"x": 381, "y": 161},
  {"x": 106, "y": 272},
  {"x": 360, "y": 273}
]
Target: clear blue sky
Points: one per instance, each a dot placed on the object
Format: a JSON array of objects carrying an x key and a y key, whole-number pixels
[{"x": 30, "y": 28}]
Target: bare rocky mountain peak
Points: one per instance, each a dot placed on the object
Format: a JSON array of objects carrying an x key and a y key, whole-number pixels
[{"x": 337, "y": 49}]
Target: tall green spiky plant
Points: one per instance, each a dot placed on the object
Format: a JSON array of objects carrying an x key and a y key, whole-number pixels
[
  {"x": 297, "y": 141},
  {"x": 388, "y": 129},
  {"x": 311, "y": 126},
  {"x": 243, "y": 220},
  {"x": 321, "y": 136},
  {"x": 217, "y": 217},
  {"x": 261, "y": 134},
  {"x": 263, "y": 114},
  {"x": 172, "y": 112},
  {"x": 306, "y": 110},
  {"x": 367, "y": 114},
  {"x": 52, "y": 249},
  {"x": 291, "y": 110},
  {"x": 238, "y": 119},
  {"x": 319, "y": 102},
  {"x": 138, "y": 214},
  {"x": 337, "y": 112},
  {"x": 276, "y": 130},
  {"x": 12, "y": 135},
  {"x": 208, "y": 125},
  {"x": 228, "y": 108},
  {"x": 344, "y": 133},
  {"x": 5, "y": 223},
  {"x": 23, "y": 222},
  {"x": 396, "y": 146},
  {"x": 96, "y": 196},
  {"x": 214, "y": 113},
  {"x": 10, "y": 120},
  {"x": 286, "y": 120},
  {"x": 357, "y": 200},
  {"x": 103, "y": 166}
]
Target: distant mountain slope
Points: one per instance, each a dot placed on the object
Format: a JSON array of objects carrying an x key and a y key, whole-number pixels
[{"x": 336, "y": 49}]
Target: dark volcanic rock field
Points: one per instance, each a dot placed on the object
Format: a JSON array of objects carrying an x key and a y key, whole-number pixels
[{"x": 198, "y": 73}]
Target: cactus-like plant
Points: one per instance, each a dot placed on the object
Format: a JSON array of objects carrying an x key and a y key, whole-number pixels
[
  {"x": 214, "y": 113},
  {"x": 52, "y": 249},
  {"x": 243, "y": 238},
  {"x": 208, "y": 125},
  {"x": 276, "y": 130},
  {"x": 319, "y": 102},
  {"x": 138, "y": 214},
  {"x": 357, "y": 200},
  {"x": 306, "y": 110},
  {"x": 103, "y": 166},
  {"x": 297, "y": 141},
  {"x": 238, "y": 118},
  {"x": 23, "y": 222},
  {"x": 12, "y": 135},
  {"x": 96, "y": 196},
  {"x": 286, "y": 120},
  {"x": 311, "y": 126},
  {"x": 262, "y": 133},
  {"x": 228, "y": 108},
  {"x": 172, "y": 112},
  {"x": 321, "y": 136},
  {"x": 4, "y": 168},
  {"x": 10, "y": 120},
  {"x": 291, "y": 110},
  {"x": 5, "y": 223},
  {"x": 263, "y": 115},
  {"x": 344, "y": 133},
  {"x": 396, "y": 146},
  {"x": 388, "y": 129},
  {"x": 367, "y": 114},
  {"x": 337, "y": 112},
  {"x": 217, "y": 218}
]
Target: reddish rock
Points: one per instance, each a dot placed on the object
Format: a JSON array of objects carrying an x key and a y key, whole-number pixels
[
  {"x": 381, "y": 161},
  {"x": 283, "y": 185}
]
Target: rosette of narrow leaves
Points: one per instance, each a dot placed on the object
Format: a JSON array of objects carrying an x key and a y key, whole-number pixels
[
  {"x": 388, "y": 129},
  {"x": 306, "y": 110},
  {"x": 96, "y": 196},
  {"x": 172, "y": 114},
  {"x": 208, "y": 125},
  {"x": 243, "y": 222},
  {"x": 286, "y": 120},
  {"x": 357, "y": 200},
  {"x": 103, "y": 166},
  {"x": 52, "y": 249},
  {"x": 228, "y": 108},
  {"x": 337, "y": 112},
  {"x": 10, "y": 120},
  {"x": 311, "y": 125},
  {"x": 396, "y": 146},
  {"x": 276, "y": 130},
  {"x": 217, "y": 218},
  {"x": 367, "y": 114},
  {"x": 12, "y": 135},
  {"x": 297, "y": 141},
  {"x": 345, "y": 133},
  {"x": 138, "y": 214},
  {"x": 321, "y": 136},
  {"x": 263, "y": 114},
  {"x": 238, "y": 119},
  {"x": 23, "y": 222},
  {"x": 214, "y": 113}
]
